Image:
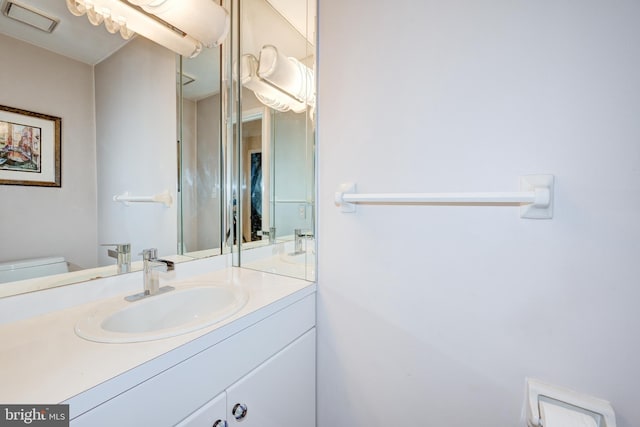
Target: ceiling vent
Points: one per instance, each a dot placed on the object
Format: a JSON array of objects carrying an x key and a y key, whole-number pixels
[
  {"x": 29, "y": 15},
  {"x": 186, "y": 79}
]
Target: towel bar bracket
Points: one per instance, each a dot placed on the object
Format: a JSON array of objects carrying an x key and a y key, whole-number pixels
[
  {"x": 345, "y": 188},
  {"x": 543, "y": 186}
]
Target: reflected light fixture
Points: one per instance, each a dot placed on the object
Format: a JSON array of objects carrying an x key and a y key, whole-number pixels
[
  {"x": 266, "y": 93},
  {"x": 280, "y": 82},
  {"x": 287, "y": 74},
  {"x": 183, "y": 26}
]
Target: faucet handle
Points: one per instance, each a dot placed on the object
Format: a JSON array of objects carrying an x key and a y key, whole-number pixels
[
  {"x": 121, "y": 248},
  {"x": 271, "y": 233},
  {"x": 150, "y": 254},
  {"x": 300, "y": 233},
  {"x": 122, "y": 254}
]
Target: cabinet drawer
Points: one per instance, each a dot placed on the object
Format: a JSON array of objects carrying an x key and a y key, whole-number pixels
[{"x": 206, "y": 416}]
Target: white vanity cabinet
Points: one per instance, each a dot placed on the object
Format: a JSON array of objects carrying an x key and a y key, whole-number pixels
[
  {"x": 278, "y": 393},
  {"x": 268, "y": 366},
  {"x": 212, "y": 414}
]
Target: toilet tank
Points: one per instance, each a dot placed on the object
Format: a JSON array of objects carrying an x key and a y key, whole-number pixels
[{"x": 29, "y": 268}]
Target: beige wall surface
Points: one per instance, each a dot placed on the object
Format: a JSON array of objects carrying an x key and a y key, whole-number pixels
[
  {"x": 136, "y": 146},
  {"x": 208, "y": 173},
  {"x": 42, "y": 221}
]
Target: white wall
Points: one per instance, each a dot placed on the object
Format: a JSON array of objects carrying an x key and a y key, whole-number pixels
[
  {"x": 42, "y": 221},
  {"x": 201, "y": 173},
  {"x": 189, "y": 176},
  {"x": 293, "y": 172},
  {"x": 208, "y": 172},
  {"x": 432, "y": 315},
  {"x": 136, "y": 146}
]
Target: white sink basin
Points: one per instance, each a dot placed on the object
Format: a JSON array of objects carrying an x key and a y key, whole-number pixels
[{"x": 176, "y": 312}]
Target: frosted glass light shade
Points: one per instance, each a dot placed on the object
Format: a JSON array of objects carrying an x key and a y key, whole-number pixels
[
  {"x": 287, "y": 74},
  {"x": 199, "y": 22},
  {"x": 94, "y": 16},
  {"x": 129, "y": 21},
  {"x": 204, "y": 20},
  {"x": 76, "y": 8},
  {"x": 267, "y": 94}
]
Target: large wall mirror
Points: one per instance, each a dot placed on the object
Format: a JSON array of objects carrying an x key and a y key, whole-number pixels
[
  {"x": 276, "y": 137},
  {"x": 200, "y": 227},
  {"x": 236, "y": 161},
  {"x": 130, "y": 128}
]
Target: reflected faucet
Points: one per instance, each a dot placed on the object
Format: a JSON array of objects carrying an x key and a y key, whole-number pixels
[
  {"x": 122, "y": 254},
  {"x": 152, "y": 265},
  {"x": 271, "y": 233},
  {"x": 299, "y": 240}
]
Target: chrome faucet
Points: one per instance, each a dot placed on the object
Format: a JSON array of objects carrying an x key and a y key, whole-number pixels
[
  {"x": 271, "y": 234},
  {"x": 152, "y": 265},
  {"x": 299, "y": 240},
  {"x": 122, "y": 254}
]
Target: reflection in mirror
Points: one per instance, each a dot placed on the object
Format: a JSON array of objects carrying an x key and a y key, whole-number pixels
[
  {"x": 252, "y": 178},
  {"x": 277, "y": 138},
  {"x": 117, "y": 101},
  {"x": 200, "y": 148}
]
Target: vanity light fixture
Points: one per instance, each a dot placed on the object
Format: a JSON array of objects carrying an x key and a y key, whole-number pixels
[
  {"x": 183, "y": 26},
  {"x": 30, "y": 16},
  {"x": 278, "y": 82},
  {"x": 286, "y": 74},
  {"x": 204, "y": 20},
  {"x": 266, "y": 93}
]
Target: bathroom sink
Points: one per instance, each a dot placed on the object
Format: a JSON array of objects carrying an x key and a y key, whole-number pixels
[{"x": 177, "y": 312}]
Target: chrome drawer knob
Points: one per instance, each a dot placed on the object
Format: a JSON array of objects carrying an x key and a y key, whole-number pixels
[{"x": 239, "y": 411}]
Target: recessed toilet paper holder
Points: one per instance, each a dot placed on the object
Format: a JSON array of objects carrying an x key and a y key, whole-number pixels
[{"x": 538, "y": 391}]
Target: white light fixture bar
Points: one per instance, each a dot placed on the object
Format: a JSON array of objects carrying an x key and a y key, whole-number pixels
[
  {"x": 30, "y": 16},
  {"x": 184, "y": 26},
  {"x": 204, "y": 20},
  {"x": 268, "y": 94},
  {"x": 279, "y": 82},
  {"x": 286, "y": 74}
]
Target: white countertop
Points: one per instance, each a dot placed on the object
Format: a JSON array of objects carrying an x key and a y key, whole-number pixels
[
  {"x": 281, "y": 259},
  {"x": 42, "y": 360}
]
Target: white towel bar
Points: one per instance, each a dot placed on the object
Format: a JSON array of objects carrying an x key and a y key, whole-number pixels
[
  {"x": 164, "y": 197},
  {"x": 535, "y": 197}
]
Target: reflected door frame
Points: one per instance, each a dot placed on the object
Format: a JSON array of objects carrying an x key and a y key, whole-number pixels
[{"x": 263, "y": 114}]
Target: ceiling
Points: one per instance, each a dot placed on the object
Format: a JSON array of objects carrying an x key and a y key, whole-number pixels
[{"x": 75, "y": 37}]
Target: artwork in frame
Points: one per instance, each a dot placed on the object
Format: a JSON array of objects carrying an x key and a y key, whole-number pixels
[{"x": 30, "y": 148}]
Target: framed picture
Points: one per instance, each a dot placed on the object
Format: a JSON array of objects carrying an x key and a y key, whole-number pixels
[{"x": 29, "y": 148}]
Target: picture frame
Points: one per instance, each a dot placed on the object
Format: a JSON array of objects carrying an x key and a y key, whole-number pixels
[{"x": 30, "y": 148}]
